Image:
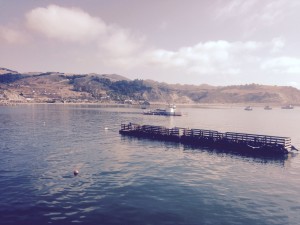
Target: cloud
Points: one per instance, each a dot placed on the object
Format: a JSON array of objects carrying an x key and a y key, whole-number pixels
[
  {"x": 254, "y": 13},
  {"x": 274, "y": 11},
  {"x": 211, "y": 57},
  {"x": 12, "y": 36},
  {"x": 67, "y": 24},
  {"x": 284, "y": 64},
  {"x": 120, "y": 42},
  {"x": 110, "y": 46},
  {"x": 294, "y": 84},
  {"x": 227, "y": 58},
  {"x": 278, "y": 44},
  {"x": 235, "y": 8},
  {"x": 113, "y": 44}
]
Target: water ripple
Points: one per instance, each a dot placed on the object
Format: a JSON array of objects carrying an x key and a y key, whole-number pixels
[{"x": 125, "y": 180}]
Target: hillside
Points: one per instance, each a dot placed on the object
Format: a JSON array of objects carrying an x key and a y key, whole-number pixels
[{"x": 51, "y": 87}]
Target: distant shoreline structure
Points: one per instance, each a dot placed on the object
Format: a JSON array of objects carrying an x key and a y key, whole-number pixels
[{"x": 158, "y": 104}]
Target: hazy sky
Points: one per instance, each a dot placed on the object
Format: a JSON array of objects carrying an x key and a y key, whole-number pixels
[{"x": 218, "y": 42}]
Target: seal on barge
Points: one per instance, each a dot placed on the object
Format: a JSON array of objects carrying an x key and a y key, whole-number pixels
[{"x": 253, "y": 143}]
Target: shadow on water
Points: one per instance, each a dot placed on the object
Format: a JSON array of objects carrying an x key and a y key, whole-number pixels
[
  {"x": 166, "y": 143},
  {"x": 221, "y": 152},
  {"x": 245, "y": 155}
]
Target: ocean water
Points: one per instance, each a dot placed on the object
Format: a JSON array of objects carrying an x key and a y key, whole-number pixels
[{"x": 125, "y": 180}]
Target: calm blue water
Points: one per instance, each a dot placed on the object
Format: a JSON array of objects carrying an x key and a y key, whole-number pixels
[{"x": 125, "y": 180}]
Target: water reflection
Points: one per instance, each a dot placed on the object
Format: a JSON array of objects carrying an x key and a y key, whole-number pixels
[{"x": 279, "y": 160}]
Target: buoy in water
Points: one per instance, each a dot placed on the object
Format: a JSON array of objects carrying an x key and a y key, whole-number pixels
[
  {"x": 76, "y": 172},
  {"x": 106, "y": 128}
]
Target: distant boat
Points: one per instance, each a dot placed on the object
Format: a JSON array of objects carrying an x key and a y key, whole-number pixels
[
  {"x": 268, "y": 108},
  {"x": 287, "y": 107},
  {"x": 248, "y": 108},
  {"x": 170, "y": 111}
]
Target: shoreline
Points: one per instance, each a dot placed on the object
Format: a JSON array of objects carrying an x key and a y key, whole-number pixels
[{"x": 154, "y": 104}]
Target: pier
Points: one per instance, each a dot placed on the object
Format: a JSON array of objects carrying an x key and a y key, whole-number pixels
[{"x": 253, "y": 143}]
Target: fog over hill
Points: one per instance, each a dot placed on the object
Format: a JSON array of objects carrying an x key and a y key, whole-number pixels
[{"x": 36, "y": 87}]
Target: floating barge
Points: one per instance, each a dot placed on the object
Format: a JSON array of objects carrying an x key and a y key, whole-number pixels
[{"x": 243, "y": 142}]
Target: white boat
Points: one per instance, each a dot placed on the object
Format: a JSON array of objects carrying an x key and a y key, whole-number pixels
[
  {"x": 287, "y": 107},
  {"x": 267, "y": 108},
  {"x": 170, "y": 111},
  {"x": 248, "y": 108}
]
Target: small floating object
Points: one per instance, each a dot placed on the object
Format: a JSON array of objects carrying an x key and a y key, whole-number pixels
[
  {"x": 76, "y": 172},
  {"x": 106, "y": 128}
]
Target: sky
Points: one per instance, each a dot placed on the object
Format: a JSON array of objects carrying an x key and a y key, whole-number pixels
[{"x": 216, "y": 42}]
